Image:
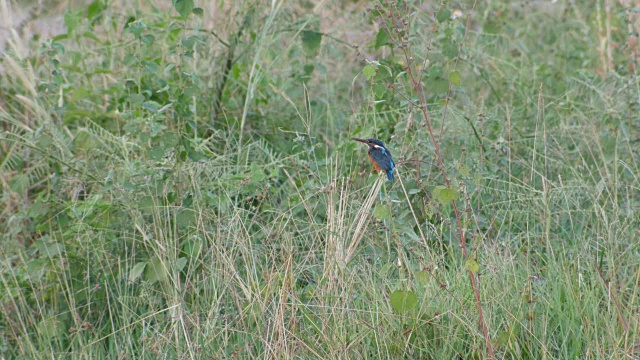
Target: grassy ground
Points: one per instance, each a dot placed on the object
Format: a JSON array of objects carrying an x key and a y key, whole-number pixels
[{"x": 180, "y": 182}]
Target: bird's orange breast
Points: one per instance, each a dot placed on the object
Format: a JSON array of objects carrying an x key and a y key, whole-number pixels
[{"x": 375, "y": 164}]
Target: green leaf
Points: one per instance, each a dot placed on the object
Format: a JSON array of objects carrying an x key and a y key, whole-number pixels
[
  {"x": 198, "y": 11},
  {"x": 436, "y": 72},
  {"x": 443, "y": 194},
  {"x": 184, "y": 7},
  {"x": 439, "y": 86},
  {"x": 135, "y": 99},
  {"x": 181, "y": 263},
  {"x": 369, "y": 71},
  {"x": 129, "y": 60},
  {"x": 137, "y": 270},
  {"x": 19, "y": 183},
  {"x": 308, "y": 69},
  {"x": 148, "y": 39},
  {"x": 155, "y": 270},
  {"x": 454, "y": 77},
  {"x": 155, "y": 153},
  {"x": 311, "y": 41},
  {"x": 191, "y": 153},
  {"x": 94, "y": 9},
  {"x": 190, "y": 42},
  {"x": 464, "y": 170},
  {"x": 50, "y": 249},
  {"x": 443, "y": 15},
  {"x": 257, "y": 174},
  {"x": 71, "y": 20},
  {"x": 38, "y": 209},
  {"x": 382, "y": 39},
  {"x": 380, "y": 90},
  {"x": 50, "y": 328},
  {"x": 192, "y": 248},
  {"x": 136, "y": 28},
  {"x": 186, "y": 218},
  {"x": 403, "y": 301},
  {"x": 472, "y": 265},
  {"x": 450, "y": 49},
  {"x": 382, "y": 212}
]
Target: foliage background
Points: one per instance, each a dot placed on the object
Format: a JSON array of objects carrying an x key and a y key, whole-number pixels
[{"x": 178, "y": 180}]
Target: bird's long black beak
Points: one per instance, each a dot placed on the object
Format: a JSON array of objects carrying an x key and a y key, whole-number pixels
[{"x": 360, "y": 140}]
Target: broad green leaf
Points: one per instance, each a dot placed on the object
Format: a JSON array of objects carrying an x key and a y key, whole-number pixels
[
  {"x": 95, "y": 9},
  {"x": 382, "y": 38},
  {"x": 71, "y": 19},
  {"x": 257, "y": 174},
  {"x": 50, "y": 249},
  {"x": 450, "y": 49},
  {"x": 443, "y": 194},
  {"x": 403, "y": 301},
  {"x": 155, "y": 153},
  {"x": 129, "y": 60},
  {"x": 148, "y": 39},
  {"x": 198, "y": 11},
  {"x": 137, "y": 270},
  {"x": 38, "y": 208},
  {"x": 454, "y": 77},
  {"x": 19, "y": 183},
  {"x": 380, "y": 90},
  {"x": 472, "y": 265},
  {"x": 184, "y": 7},
  {"x": 382, "y": 212},
  {"x": 435, "y": 71},
  {"x": 439, "y": 86},
  {"x": 443, "y": 15},
  {"x": 186, "y": 217},
  {"x": 311, "y": 41},
  {"x": 155, "y": 270},
  {"x": 135, "y": 99},
  {"x": 192, "y": 248},
  {"x": 464, "y": 170},
  {"x": 191, "y": 153},
  {"x": 50, "y": 328},
  {"x": 308, "y": 69},
  {"x": 181, "y": 263},
  {"x": 369, "y": 71}
]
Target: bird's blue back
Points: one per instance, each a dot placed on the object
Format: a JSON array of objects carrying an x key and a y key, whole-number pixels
[{"x": 383, "y": 158}]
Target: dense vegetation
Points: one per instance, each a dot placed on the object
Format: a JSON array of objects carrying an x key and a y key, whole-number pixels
[{"x": 179, "y": 182}]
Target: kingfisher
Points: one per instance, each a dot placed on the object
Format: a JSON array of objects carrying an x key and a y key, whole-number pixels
[{"x": 379, "y": 156}]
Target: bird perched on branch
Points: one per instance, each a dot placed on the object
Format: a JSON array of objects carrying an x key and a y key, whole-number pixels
[{"x": 379, "y": 156}]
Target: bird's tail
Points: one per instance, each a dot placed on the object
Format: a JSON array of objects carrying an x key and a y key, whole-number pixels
[{"x": 390, "y": 175}]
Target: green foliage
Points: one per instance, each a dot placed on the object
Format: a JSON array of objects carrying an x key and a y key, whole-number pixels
[
  {"x": 454, "y": 78},
  {"x": 165, "y": 171},
  {"x": 183, "y": 7},
  {"x": 382, "y": 212},
  {"x": 472, "y": 266},
  {"x": 403, "y": 301},
  {"x": 311, "y": 41},
  {"x": 443, "y": 194}
]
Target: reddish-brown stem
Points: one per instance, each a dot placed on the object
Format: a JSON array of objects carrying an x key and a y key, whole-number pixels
[{"x": 417, "y": 85}]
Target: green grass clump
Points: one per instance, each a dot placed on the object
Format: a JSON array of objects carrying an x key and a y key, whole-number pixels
[{"x": 179, "y": 182}]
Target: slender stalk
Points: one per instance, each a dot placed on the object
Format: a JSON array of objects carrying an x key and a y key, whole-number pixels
[{"x": 402, "y": 42}]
